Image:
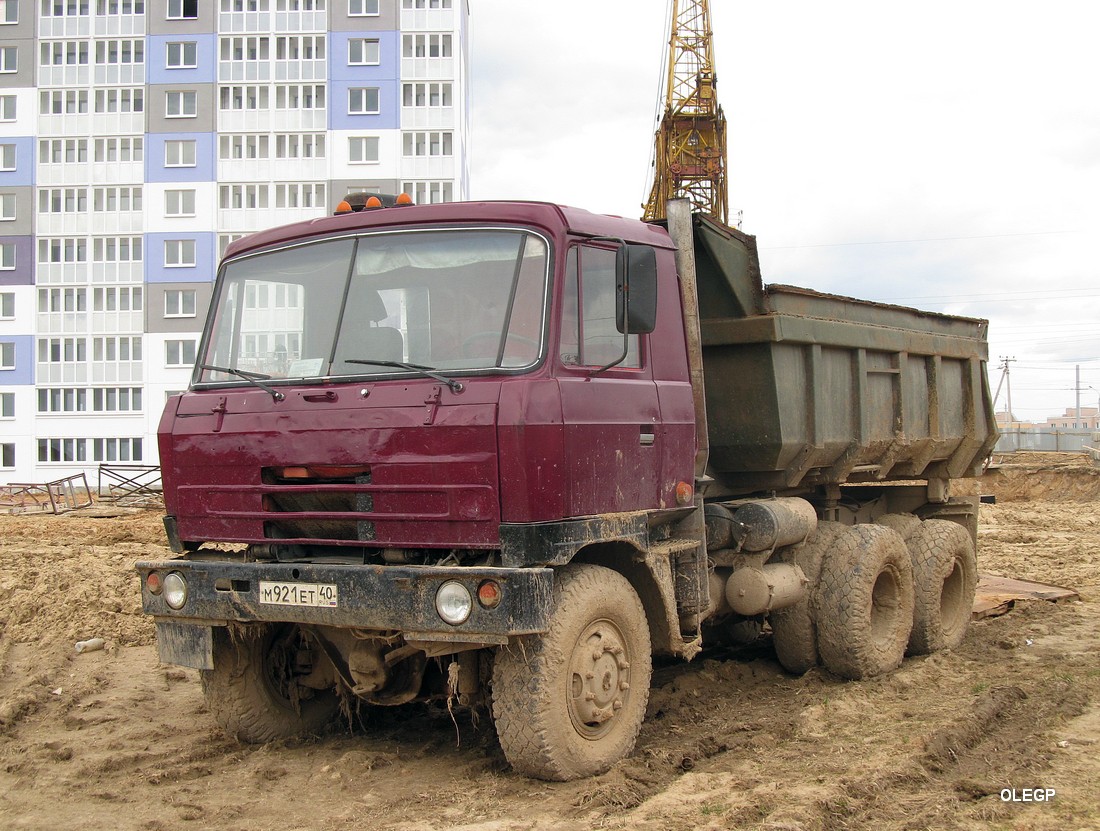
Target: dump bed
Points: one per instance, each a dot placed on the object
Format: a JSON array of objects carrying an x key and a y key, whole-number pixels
[{"x": 805, "y": 388}]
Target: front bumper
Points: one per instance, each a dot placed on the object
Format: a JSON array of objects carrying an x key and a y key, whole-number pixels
[{"x": 372, "y": 597}]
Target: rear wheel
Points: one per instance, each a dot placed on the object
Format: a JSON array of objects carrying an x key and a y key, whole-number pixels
[
  {"x": 864, "y": 602},
  {"x": 794, "y": 633},
  {"x": 253, "y": 690},
  {"x": 569, "y": 703},
  {"x": 945, "y": 575}
]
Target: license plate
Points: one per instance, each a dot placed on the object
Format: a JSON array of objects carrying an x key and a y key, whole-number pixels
[{"x": 298, "y": 594}]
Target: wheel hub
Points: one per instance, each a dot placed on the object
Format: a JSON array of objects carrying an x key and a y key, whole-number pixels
[{"x": 600, "y": 679}]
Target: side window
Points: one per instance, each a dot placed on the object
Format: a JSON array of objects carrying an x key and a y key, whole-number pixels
[{"x": 589, "y": 336}]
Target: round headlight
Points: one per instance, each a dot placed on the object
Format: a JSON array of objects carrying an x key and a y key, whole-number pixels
[
  {"x": 175, "y": 590},
  {"x": 453, "y": 602}
]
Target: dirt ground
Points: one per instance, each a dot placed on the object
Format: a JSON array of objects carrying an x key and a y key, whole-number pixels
[{"x": 111, "y": 739}]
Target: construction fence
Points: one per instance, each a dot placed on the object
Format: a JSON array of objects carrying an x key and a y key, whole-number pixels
[{"x": 1046, "y": 439}]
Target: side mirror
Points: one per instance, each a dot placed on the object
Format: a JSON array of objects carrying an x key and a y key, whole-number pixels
[{"x": 635, "y": 289}]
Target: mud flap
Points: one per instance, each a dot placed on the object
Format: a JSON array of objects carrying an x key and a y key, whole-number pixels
[{"x": 185, "y": 644}]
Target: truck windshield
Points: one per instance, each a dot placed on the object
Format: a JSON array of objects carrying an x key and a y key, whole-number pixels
[{"x": 456, "y": 300}]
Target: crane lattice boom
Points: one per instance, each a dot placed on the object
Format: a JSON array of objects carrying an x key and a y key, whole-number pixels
[{"x": 690, "y": 152}]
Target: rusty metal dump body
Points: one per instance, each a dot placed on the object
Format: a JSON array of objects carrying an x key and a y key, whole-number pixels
[{"x": 805, "y": 389}]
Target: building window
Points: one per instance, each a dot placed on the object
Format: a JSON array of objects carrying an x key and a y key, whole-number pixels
[
  {"x": 116, "y": 349},
  {"x": 305, "y": 48},
  {"x": 180, "y": 153},
  {"x": 363, "y": 8},
  {"x": 244, "y": 146},
  {"x": 117, "y": 299},
  {"x": 62, "y": 200},
  {"x": 62, "y": 300},
  {"x": 244, "y": 5},
  {"x": 429, "y": 193},
  {"x": 113, "y": 8},
  {"x": 426, "y": 95},
  {"x": 304, "y": 195},
  {"x": 63, "y": 151},
  {"x": 7, "y": 107},
  {"x": 243, "y": 196},
  {"x": 300, "y": 6},
  {"x": 364, "y": 51},
  {"x": 179, "y": 303},
  {"x": 183, "y": 9},
  {"x": 363, "y": 101},
  {"x": 425, "y": 4},
  {"x": 120, "y": 100},
  {"x": 7, "y": 455},
  {"x": 124, "y": 149},
  {"x": 300, "y": 97},
  {"x": 426, "y": 46},
  {"x": 181, "y": 104},
  {"x": 179, "y": 203},
  {"x": 7, "y": 256},
  {"x": 427, "y": 144},
  {"x": 62, "y": 350},
  {"x": 7, "y": 405},
  {"x": 7, "y": 156},
  {"x": 246, "y": 49},
  {"x": 52, "y": 250},
  {"x": 7, "y": 305},
  {"x": 116, "y": 250},
  {"x": 363, "y": 149},
  {"x": 179, "y": 253},
  {"x": 7, "y": 207},
  {"x": 63, "y": 53},
  {"x": 116, "y": 199},
  {"x": 182, "y": 55},
  {"x": 7, "y": 355},
  {"x": 9, "y": 11},
  {"x": 179, "y": 353},
  {"x": 115, "y": 52},
  {"x": 64, "y": 8},
  {"x": 9, "y": 59},
  {"x": 62, "y": 400},
  {"x": 300, "y": 146},
  {"x": 245, "y": 98},
  {"x": 63, "y": 102}
]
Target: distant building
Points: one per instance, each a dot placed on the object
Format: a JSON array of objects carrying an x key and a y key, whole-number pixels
[
  {"x": 139, "y": 137},
  {"x": 1087, "y": 418}
]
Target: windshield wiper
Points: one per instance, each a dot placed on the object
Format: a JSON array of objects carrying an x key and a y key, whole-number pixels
[
  {"x": 255, "y": 378},
  {"x": 423, "y": 370}
]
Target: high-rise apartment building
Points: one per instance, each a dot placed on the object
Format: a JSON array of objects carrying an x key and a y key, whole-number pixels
[{"x": 139, "y": 137}]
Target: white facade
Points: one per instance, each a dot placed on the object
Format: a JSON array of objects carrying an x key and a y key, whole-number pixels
[{"x": 139, "y": 137}]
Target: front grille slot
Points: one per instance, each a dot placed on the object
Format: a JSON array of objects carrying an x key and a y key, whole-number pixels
[{"x": 310, "y": 492}]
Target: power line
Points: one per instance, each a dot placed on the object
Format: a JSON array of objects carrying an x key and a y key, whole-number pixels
[{"x": 907, "y": 241}]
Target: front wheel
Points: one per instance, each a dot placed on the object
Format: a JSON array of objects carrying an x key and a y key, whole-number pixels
[
  {"x": 253, "y": 691},
  {"x": 569, "y": 703}
]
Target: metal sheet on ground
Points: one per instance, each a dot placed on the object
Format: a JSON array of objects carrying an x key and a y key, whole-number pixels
[{"x": 997, "y": 595}]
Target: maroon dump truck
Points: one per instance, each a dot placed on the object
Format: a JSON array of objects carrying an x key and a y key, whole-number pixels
[{"x": 502, "y": 454}]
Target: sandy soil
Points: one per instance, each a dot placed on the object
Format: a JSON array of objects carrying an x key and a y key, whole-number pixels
[{"x": 113, "y": 740}]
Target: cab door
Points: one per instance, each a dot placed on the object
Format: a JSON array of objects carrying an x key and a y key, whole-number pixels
[{"x": 610, "y": 413}]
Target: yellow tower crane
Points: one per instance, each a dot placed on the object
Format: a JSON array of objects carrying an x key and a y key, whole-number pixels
[{"x": 690, "y": 152}]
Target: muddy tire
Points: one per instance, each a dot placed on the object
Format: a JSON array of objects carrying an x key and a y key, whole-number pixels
[
  {"x": 904, "y": 524},
  {"x": 945, "y": 575},
  {"x": 864, "y": 602},
  {"x": 569, "y": 703},
  {"x": 252, "y": 693},
  {"x": 794, "y": 633}
]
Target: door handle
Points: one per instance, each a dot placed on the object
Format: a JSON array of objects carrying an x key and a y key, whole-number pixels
[{"x": 646, "y": 436}]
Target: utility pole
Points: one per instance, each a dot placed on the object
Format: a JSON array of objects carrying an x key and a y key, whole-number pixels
[{"x": 1007, "y": 384}]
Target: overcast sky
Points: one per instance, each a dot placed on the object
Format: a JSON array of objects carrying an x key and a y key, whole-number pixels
[{"x": 938, "y": 154}]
